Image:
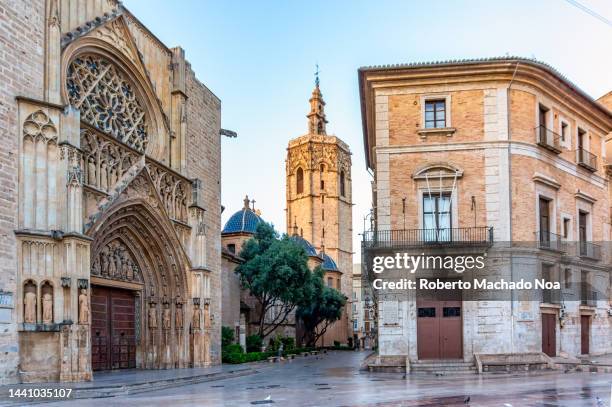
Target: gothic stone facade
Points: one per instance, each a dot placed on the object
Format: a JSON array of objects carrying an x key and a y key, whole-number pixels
[
  {"x": 319, "y": 203},
  {"x": 110, "y": 200},
  {"x": 508, "y": 146}
]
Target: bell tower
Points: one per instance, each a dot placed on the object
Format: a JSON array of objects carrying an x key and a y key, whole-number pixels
[{"x": 319, "y": 201}]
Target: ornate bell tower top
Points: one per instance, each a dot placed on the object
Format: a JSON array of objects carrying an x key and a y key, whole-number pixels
[{"x": 316, "y": 117}]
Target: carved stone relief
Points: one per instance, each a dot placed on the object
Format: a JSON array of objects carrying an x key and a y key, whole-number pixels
[{"x": 115, "y": 262}]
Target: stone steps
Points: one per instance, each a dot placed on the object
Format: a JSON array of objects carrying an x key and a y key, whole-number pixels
[{"x": 443, "y": 367}]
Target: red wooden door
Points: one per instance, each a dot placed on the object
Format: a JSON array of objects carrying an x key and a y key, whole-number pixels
[
  {"x": 439, "y": 325},
  {"x": 113, "y": 329},
  {"x": 585, "y": 327},
  {"x": 549, "y": 334}
]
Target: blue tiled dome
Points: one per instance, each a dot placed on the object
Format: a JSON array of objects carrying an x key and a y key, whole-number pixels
[
  {"x": 243, "y": 221},
  {"x": 310, "y": 250},
  {"x": 328, "y": 263}
]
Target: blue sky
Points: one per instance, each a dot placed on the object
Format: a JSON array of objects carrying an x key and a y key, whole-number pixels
[{"x": 259, "y": 58}]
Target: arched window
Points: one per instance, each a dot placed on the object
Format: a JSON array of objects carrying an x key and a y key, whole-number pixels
[
  {"x": 299, "y": 181},
  {"x": 342, "y": 184},
  {"x": 321, "y": 172}
]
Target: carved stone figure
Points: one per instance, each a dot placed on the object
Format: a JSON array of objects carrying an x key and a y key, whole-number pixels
[
  {"x": 104, "y": 261},
  {"x": 47, "y": 308},
  {"x": 166, "y": 317},
  {"x": 29, "y": 304},
  {"x": 206, "y": 316},
  {"x": 197, "y": 316},
  {"x": 178, "y": 318},
  {"x": 83, "y": 307},
  {"x": 112, "y": 266},
  {"x": 152, "y": 316}
]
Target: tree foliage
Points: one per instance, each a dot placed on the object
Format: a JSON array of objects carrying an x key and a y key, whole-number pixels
[
  {"x": 275, "y": 272},
  {"x": 318, "y": 312}
]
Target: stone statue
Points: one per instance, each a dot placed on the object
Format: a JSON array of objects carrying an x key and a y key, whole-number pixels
[
  {"x": 128, "y": 269},
  {"x": 152, "y": 316},
  {"x": 112, "y": 266},
  {"x": 104, "y": 261},
  {"x": 206, "y": 316},
  {"x": 166, "y": 318},
  {"x": 197, "y": 315},
  {"x": 178, "y": 318},
  {"x": 83, "y": 307},
  {"x": 47, "y": 308},
  {"x": 29, "y": 304}
]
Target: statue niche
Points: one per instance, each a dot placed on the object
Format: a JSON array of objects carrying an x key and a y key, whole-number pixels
[
  {"x": 46, "y": 292},
  {"x": 115, "y": 262},
  {"x": 83, "y": 307},
  {"x": 29, "y": 302}
]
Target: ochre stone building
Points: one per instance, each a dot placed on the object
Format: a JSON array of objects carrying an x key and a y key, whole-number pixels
[
  {"x": 111, "y": 196},
  {"x": 319, "y": 205},
  {"x": 485, "y": 152}
]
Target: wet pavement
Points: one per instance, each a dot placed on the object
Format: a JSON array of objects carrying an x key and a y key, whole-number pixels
[{"x": 335, "y": 380}]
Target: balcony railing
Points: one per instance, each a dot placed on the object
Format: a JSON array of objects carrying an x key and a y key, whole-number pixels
[
  {"x": 548, "y": 139},
  {"x": 551, "y": 241},
  {"x": 482, "y": 235},
  {"x": 589, "y": 250},
  {"x": 551, "y": 296},
  {"x": 586, "y": 159},
  {"x": 588, "y": 298}
]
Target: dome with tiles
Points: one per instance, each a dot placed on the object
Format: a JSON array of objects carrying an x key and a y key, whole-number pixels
[
  {"x": 328, "y": 263},
  {"x": 245, "y": 220}
]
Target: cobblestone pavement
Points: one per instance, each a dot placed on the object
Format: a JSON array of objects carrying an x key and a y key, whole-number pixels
[{"x": 334, "y": 380}]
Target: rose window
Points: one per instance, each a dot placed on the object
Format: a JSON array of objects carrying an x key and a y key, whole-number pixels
[{"x": 107, "y": 100}]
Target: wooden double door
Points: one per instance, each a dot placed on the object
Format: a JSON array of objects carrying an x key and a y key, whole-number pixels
[
  {"x": 113, "y": 328},
  {"x": 439, "y": 325}
]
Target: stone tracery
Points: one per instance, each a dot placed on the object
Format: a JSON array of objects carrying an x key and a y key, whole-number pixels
[{"x": 107, "y": 100}]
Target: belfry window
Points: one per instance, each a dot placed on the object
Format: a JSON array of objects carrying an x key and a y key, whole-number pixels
[{"x": 299, "y": 181}]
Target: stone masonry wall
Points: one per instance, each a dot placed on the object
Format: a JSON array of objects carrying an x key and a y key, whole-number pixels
[
  {"x": 21, "y": 74},
  {"x": 203, "y": 161}
]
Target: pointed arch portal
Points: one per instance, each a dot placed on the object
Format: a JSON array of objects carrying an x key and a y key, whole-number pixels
[{"x": 139, "y": 290}]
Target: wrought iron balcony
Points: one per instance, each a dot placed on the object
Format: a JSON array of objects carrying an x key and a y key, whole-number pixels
[
  {"x": 551, "y": 296},
  {"x": 586, "y": 159},
  {"x": 551, "y": 241},
  {"x": 403, "y": 238},
  {"x": 548, "y": 139},
  {"x": 589, "y": 250}
]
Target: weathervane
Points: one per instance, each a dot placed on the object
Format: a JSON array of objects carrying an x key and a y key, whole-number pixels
[{"x": 317, "y": 75}]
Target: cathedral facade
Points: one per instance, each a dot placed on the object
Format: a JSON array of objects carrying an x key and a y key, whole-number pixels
[
  {"x": 319, "y": 204},
  {"x": 110, "y": 200}
]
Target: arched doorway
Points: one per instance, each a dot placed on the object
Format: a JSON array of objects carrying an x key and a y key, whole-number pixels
[{"x": 139, "y": 286}]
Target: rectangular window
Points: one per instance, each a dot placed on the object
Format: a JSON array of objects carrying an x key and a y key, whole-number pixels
[
  {"x": 567, "y": 278},
  {"x": 544, "y": 220},
  {"x": 564, "y": 131},
  {"x": 428, "y": 312},
  {"x": 437, "y": 217},
  {"x": 582, "y": 232},
  {"x": 330, "y": 282},
  {"x": 435, "y": 114},
  {"x": 566, "y": 227},
  {"x": 355, "y": 325}
]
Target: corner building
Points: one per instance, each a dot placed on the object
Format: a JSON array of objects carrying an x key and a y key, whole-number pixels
[
  {"x": 481, "y": 152},
  {"x": 111, "y": 215}
]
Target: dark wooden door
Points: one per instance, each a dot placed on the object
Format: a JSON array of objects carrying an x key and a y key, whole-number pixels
[
  {"x": 585, "y": 327},
  {"x": 112, "y": 329},
  {"x": 439, "y": 325},
  {"x": 549, "y": 334}
]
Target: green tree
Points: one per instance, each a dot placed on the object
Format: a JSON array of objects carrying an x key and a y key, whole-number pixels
[
  {"x": 322, "y": 308},
  {"x": 275, "y": 272}
]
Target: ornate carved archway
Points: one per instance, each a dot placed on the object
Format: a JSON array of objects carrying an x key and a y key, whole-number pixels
[{"x": 135, "y": 247}]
